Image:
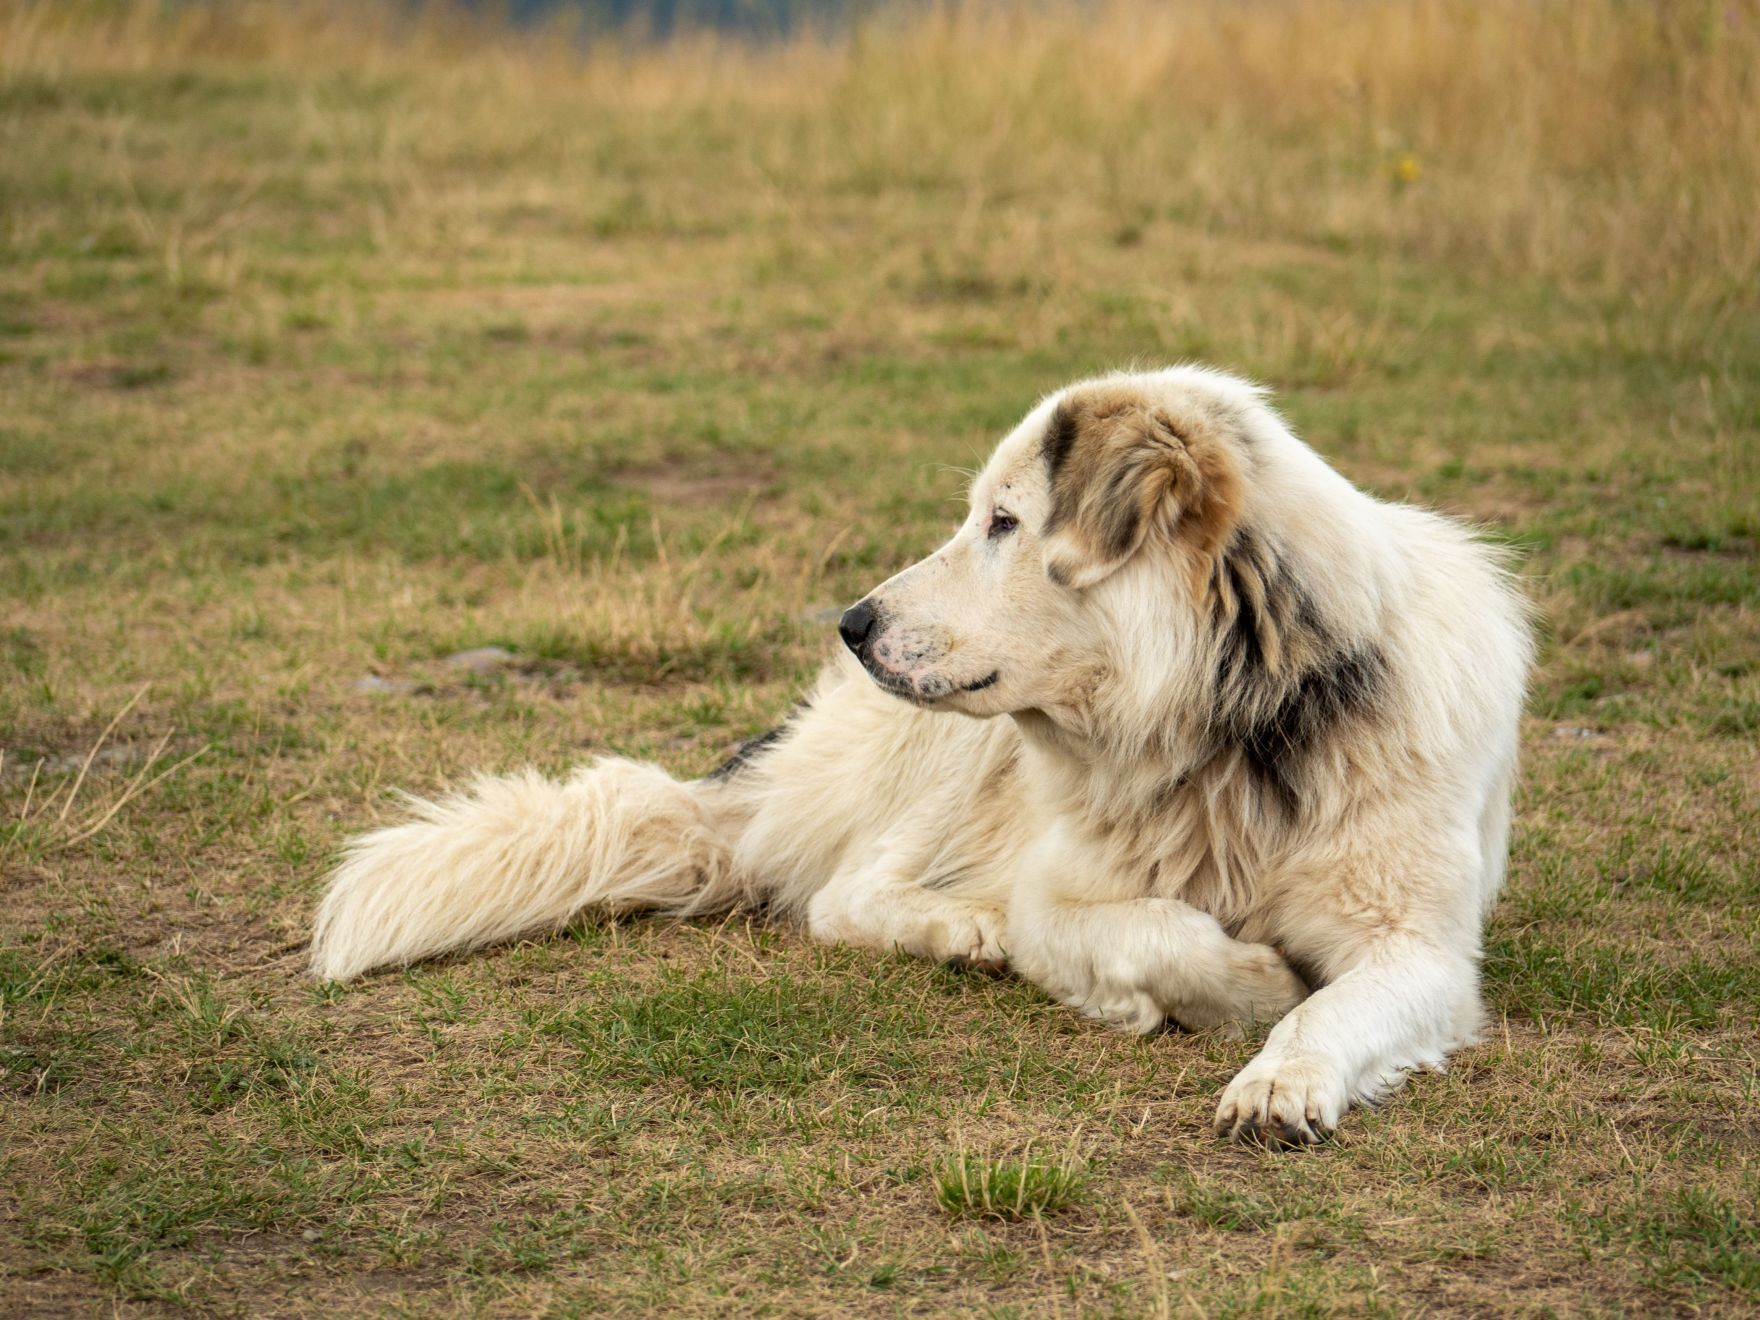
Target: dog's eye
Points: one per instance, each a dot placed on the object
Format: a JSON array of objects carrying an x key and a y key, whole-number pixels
[{"x": 1001, "y": 524}]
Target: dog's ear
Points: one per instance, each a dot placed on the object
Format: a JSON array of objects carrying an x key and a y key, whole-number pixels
[{"x": 1123, "y": 469}]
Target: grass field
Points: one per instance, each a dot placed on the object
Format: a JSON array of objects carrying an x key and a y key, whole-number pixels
[{"x": 331, "y": 348}]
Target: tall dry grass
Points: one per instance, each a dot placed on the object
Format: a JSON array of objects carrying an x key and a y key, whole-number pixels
[{"x": 1613, "y": 144}]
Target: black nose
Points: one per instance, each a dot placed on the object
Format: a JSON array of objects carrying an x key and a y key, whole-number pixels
[{"x": 855, "y": 625}]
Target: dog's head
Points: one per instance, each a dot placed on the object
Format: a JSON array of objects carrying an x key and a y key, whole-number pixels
[{"x": 1111, "y": 496}]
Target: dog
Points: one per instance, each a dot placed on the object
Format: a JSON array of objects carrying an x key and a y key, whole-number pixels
[{"x": 1180, "y": 726}]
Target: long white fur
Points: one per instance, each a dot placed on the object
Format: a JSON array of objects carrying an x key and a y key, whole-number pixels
[
  {"x": 1092, "y": 836},
  {"x": 520, "y": 854}
]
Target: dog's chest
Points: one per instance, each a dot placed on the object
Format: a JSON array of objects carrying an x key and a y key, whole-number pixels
[{"x": 1195, "y": 844}]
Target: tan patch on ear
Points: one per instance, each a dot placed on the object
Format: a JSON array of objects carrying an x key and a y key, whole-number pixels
[{"x": 1124, "y": 467}]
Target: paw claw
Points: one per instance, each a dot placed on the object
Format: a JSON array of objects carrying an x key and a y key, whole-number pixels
[
  {"x": 1282, "y": 1105},
  {"x": 992, "y": 967},
  {"x": 1275, "y": 1135}
]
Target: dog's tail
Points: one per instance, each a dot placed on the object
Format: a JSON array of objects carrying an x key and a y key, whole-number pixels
[{"x": 522, "y": 854}]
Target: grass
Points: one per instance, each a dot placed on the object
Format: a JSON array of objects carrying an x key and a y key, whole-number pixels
[
  {"x": 1023, "y": 1186},
  {"x": 335, "y": 341}
]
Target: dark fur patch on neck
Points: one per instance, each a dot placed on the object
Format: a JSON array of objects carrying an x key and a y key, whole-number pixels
[
  {"x": 1255, "y": 608},
  {"x": 1285, "y": 682},
  {"x": 1280, "y": 744}
]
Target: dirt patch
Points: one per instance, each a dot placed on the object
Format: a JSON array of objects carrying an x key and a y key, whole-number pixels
[
  {"x": 715, "y": 482},
  {"x": 110, "y": 374}
]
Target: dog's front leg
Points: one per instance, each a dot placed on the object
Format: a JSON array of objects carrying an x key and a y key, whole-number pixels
[
  {"x": 879, "y": 902},
  {"x": 1131, "y": 961},
  {"x": 1402, "y": 1005}
]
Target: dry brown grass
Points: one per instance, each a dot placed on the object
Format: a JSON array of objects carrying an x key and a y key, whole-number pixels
[
  {"x": 1607, "y": 144},
  {"x": 332, "y": 343}
]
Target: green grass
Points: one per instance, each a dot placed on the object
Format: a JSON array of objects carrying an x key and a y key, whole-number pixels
[
  {"x": 329, "y": 351},
  {"x": 713, "y": 1033},
  {"x": 1023, "y": 1186}
]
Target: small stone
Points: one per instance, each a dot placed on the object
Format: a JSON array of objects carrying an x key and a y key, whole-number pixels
[
  {"x": 310, "y": 1235},
  {"x": 114, "y": 758},
  {"x": 482, "y": 660},
  {"x": 1574, "y": 732}
]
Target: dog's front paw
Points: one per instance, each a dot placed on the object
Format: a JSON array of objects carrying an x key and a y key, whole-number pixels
[
  {"x": 1283, "y": 1102},
  {"x": 977, "y": 944},
  {"x": 1115, "y": 998},
  {"x": 1122, "y": 1007},
  {"x": 1259, "y": 988}
]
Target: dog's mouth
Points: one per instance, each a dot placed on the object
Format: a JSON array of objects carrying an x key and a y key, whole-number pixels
[
  {"x": 906, "y": 666},
  {"x": 898, "y": 685},
  {"x": 930, "y": 691}
]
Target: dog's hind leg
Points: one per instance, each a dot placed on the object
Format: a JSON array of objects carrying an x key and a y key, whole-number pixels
[
  {"x": 880, "y": 902},
  {"x": 1137, "y": 962}
]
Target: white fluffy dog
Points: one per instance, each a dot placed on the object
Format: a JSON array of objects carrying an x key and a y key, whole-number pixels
[{"x": 1251, "y": 721}]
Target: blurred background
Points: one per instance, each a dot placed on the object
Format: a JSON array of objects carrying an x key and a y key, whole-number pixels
[
  {"x": 419, "y": 282},
  {"x": 391, "y": 391}
]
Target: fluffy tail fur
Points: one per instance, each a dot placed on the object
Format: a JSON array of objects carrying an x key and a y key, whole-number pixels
[{"x": 514, "y": 855}]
